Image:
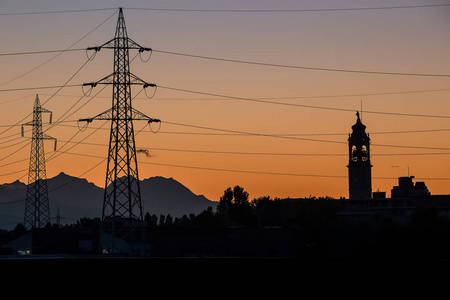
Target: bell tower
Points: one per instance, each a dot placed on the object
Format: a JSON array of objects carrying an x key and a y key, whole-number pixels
[{"x": 359, "y": 167}]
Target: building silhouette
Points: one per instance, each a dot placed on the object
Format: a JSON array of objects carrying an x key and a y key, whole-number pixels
[
  {"x": 359, "y": 166},
  {"x": 407, "y": 189}
]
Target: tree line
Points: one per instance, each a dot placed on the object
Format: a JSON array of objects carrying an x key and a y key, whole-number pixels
[
  {"x": 236, "y": 209},
  {"x": 317, "y": 223}
]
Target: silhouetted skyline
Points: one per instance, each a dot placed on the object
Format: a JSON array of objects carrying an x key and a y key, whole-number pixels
[{"x": 221, "y": 137}]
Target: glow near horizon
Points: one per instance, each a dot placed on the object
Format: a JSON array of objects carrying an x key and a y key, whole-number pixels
[{"x": 392, "y": 40}]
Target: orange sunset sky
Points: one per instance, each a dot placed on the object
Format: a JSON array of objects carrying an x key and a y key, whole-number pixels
[{"x": 410, "y": 42}]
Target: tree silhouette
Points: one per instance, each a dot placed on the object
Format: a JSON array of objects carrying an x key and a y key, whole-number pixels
[
  {"x": 225, "y": 202},
  {"x": 240, "y": 196},
  {"x": 207, "y": 218},
  {"x": 235, "y": 207},
  {"x": 169, "y": 220},
  {"x": 151, "y": 220},
  {"x": 162, "y": 220},
  {"x": 265, "y": 210}
]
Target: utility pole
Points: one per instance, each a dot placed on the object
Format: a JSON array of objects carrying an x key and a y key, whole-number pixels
[
  {"x": 37, "y": 212},
  {"x": 122, "y": 205}
]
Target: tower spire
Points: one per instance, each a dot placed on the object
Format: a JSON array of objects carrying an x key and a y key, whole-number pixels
[{"x": 37, "y": 212}]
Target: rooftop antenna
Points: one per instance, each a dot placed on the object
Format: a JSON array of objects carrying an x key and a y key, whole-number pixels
[{"x": 361, "y": 110}]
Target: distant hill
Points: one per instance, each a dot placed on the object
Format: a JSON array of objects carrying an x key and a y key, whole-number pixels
[{"x": 76, "y": 198}]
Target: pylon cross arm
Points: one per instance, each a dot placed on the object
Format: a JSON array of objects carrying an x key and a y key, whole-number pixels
[
  {"x": 43, "y": 110},
  {"x": 47, "y": 137},
  {"x": 111, "y": 45},
  {"x": 110, "y": 80},
  {"x": 108, "y": 115}
]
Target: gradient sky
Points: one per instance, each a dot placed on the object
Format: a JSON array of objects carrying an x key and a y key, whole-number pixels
[{"x": 397, "y": 40}]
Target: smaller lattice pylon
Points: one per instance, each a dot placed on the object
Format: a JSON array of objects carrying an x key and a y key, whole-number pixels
[{"x": 37, "y": 211}]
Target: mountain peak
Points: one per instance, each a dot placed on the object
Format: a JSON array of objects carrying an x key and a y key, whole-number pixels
[
  {"x": 63, "y": 178},
  {"x": 62, "y": 174},
  {"x": 159, "y": 177},
  {"x": 15, "y": 184}
]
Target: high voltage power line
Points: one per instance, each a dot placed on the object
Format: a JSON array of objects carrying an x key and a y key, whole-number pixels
[
  {"x": 41, "y": 87},
  {"x": 212, "y": 152},
  {"x": 244, "y": 133},
  {"x": 268, "y": 153},
  {"x": 287, "y": 10},
  {"x": 288, "y": 134},
  {"x": 42, "y": 52},
  {"x": 212, "y": 99},
  {"x": 258, "y": 134},
  {"x": 53, "y": 154},
  {"x": 281, "y": 97},
  {"x": 258, "y": 63},
  {"x": 212, "y": 169},
  {"x": 302, "y": 67},
  {"x": 250, "y": 171},
  {"x": 283, "y": 136},
  {"x": 55, "y": 12},
  {"x": 59, "y": 121},
  {"x": 66, "y": 84},
  {"x": 235, "y": 152},
  {"x": 295, "y": 138},
  {"x": 335, "y": 9},
  {"x": 60, "y": 52},
  {"x": 251, "y": 100},
  {"x": 298, "y": 105}
]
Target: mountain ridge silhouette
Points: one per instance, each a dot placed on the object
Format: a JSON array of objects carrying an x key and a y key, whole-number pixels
[{"x": 77, "y": 198}]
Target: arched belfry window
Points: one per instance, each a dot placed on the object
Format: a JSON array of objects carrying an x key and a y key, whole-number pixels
[
  {"x": 354, "y": 155},
  {"x": 364, "y": 153}
]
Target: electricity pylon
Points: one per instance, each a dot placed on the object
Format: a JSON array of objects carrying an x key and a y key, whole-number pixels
[
  {"x": 122, "y": 196},
  {"x": 37, "y": 211}
]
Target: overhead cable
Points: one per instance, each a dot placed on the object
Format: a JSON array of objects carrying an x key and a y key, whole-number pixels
[
  {"x": 286, "y": 10},
  {"x": 40, "y": 52},
  {"x": 336, "y": 9},
  {"x": 301, "y": 67},
  {"x": 301, "y": 105},
  {"x": 248, "y": 62},
  {"x": 251, "y": 171},
  {"x": 54, "y": 12},
  {"x": 298, "y": 138},
  {"x": 60, "y": 52}
]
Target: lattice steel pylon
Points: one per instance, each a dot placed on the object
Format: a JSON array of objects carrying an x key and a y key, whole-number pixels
[
  {"x": 37, "y": 210},
  {"x": 122, "y": 196}
]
